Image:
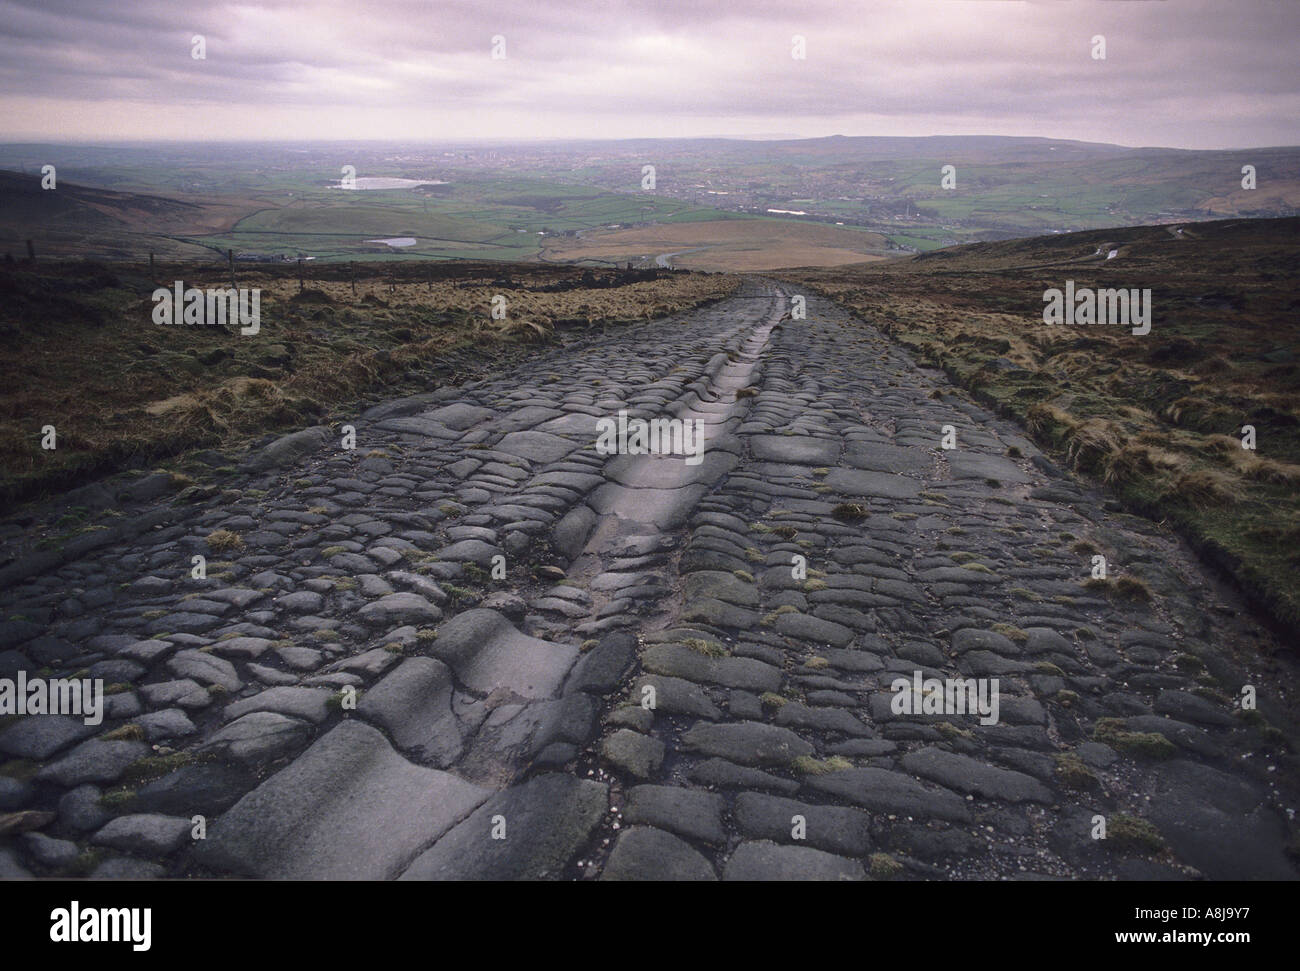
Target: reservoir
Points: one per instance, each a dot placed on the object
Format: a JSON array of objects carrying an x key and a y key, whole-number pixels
[{"x": 383, "y": 183}]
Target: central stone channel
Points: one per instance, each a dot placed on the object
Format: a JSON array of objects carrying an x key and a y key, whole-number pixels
[{"x": 646, "y": 497}]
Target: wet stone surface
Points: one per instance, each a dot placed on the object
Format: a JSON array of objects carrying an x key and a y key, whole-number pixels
[{"x": 476, "y": 647}]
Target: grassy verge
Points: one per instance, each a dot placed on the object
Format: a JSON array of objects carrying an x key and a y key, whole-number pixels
[
  {"x": 1157, "y": 418},
  {"x": 82, "y": 353}
]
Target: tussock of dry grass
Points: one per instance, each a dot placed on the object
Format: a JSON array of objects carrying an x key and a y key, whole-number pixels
[
  {"x": 1205, "y": 489},
  {"x": 1129, "y": 463}
]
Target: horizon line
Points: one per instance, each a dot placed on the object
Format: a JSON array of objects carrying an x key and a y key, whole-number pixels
[{"x": 6, "y": 141}]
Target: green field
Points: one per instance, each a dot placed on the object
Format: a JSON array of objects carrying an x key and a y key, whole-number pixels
[
  {"x": 512, "y": 202},
  {"x": 475, "y": 219}
]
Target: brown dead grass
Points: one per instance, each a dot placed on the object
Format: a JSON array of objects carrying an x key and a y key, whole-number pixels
[{"x": 731, "y": 245}]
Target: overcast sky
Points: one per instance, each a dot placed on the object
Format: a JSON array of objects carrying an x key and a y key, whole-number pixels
[{"x": 1184, "y": 73}]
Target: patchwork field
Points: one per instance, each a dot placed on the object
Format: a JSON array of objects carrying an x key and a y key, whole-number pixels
[{"x": 734, "y": 245}]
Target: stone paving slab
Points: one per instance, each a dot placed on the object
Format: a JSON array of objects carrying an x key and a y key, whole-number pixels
[{"x": 349, "y": 808}]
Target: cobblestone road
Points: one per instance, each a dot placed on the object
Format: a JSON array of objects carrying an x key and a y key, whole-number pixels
[{"x": 689, "y": 669}]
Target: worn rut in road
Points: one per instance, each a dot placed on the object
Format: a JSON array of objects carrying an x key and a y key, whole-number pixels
[{"x": 688, "y": 668}]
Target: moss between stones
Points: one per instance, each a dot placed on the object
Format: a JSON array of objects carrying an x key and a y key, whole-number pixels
[
  {"x": 883, "y": 866},
  {"x": 1111, "y": 731},
  {"x": 1131, "y": 588},
  {"x": 1132, "y": 834},
  {"x": 335, "y": 701},
  {"x": 807, "y": 765},
  {"x": 153, "y": 767},
  {"x": 707, "y": 648},
  {"x": 221, "y": 540},
  {"x": 117, "y": 798},
  {"x": 770, "y": 618},
  {"x": 1251, "y": 716},
  {"x": 1212, "y": 694},
  {"x": 850, "y": 512},
  {"x": 1124, "y": 588},
  {"x": 1074, "y": 774}
]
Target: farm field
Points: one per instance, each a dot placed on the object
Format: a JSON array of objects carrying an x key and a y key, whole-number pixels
[
  {"x": 477, "y": 219},
  {"x": 734, "y": 245},
  {"x": 529, "y": 202}
]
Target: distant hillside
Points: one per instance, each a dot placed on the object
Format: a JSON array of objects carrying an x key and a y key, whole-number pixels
[
  {"x": 75, "y": 220},
  {"x": 1004, "y": 187},
  {"x": 835, "y": 149},
  {"x": 515, "y": 202}
]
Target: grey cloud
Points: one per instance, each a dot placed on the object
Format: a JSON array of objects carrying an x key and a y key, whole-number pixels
[{"x": 1190, "y": 72}]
